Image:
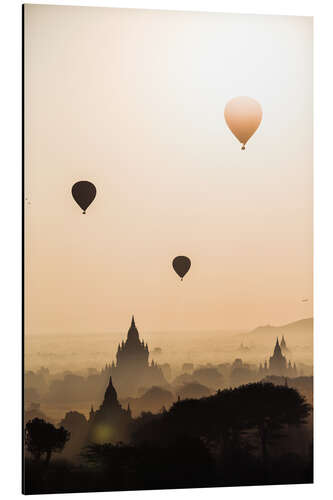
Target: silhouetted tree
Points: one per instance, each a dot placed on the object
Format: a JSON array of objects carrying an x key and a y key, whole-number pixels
[
  {"x": 269, "y": 408},
  {"x": 42, "y": 437},
  {"x": 227, "y": 415}
]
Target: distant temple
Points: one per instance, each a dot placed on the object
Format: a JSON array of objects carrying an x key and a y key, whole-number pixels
[
  {"x": 133, "y": 354},
  {"x": 132, "y": 369},
  {"x": 278, "y": 364}
]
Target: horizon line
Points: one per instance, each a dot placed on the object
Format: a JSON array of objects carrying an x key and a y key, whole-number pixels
[{"x": 215, "y": 330}]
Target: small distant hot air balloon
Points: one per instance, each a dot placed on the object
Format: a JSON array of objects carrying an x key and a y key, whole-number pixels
[
  {"x": 243, "y": 116},
  {"x": 84, "y": 193},
  {"x": 181, "y": 265}
]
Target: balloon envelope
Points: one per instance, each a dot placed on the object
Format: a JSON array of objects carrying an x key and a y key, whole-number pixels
[
  {"x": 243, "y": 116},
  {"x": 84, "y": 193},
  {"x": 181, "y": 265}
]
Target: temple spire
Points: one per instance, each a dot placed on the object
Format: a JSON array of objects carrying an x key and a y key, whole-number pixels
[
  {"x": 283, "y": 344},
  {"x": 110, "y": 396},
  {"x": 133, "y": 334},
  {"x": 277, "y": 349}
]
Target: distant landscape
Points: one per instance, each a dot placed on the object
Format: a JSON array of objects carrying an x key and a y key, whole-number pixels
[
  {"x": 85, "y": 355},
  {"x": 79, "y": 352}
]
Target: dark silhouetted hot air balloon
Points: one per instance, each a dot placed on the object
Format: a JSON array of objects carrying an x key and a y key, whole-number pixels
[
  {"x": 181, "y": 265},
  {"x": 84, "y": 193}
]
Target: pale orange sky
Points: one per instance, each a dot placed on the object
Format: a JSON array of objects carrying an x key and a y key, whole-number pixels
[{"x": 133, "y": 101}]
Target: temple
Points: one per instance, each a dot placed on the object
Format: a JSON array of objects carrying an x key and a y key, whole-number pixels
[
  {"x": 278, "y": 364},
  {"x": 132, "y": 354},
  {"x": 110, "y": 423},
  {"x": 132, "y": 369}
]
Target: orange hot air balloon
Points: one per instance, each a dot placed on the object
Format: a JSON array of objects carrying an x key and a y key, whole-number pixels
[{"x": 243, "y": 116}]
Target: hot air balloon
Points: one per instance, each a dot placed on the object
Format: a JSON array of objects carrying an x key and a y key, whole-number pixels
[
  {"x": 84, "y": 193},
  {"x": 243, "y": 116},
  {"x": 181, "y": 265}
]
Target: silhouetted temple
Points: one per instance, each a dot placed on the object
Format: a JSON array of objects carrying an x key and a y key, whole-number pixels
[
  {"x": 132, "y": 354},
  {"x": 278, "y": 364},
  {"x": 110, "y": 423},
  {"x": 132, "y": 369}
]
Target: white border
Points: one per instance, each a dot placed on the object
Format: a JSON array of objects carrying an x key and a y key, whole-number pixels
[{"x": 10, "y": 262}]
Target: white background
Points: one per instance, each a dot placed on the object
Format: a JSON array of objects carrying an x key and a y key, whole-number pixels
[{"x": 10, "y": 262}]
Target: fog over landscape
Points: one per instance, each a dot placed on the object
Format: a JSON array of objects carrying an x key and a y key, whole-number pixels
[
  {"x": 80, "y": 352},
  {"x": 85, "y": 355}
]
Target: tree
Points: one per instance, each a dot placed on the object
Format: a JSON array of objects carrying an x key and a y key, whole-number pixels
[
  {"x": 229, "y": 414},
  {"x": 270, "y": 408},
  {"x": 42, "y": 437}
]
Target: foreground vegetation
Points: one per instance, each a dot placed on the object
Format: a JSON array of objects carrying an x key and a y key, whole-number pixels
[{"x": 239, "y": 436}]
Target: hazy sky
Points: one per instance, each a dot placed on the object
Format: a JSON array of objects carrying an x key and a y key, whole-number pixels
[{"x": 133, "y": 101}]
